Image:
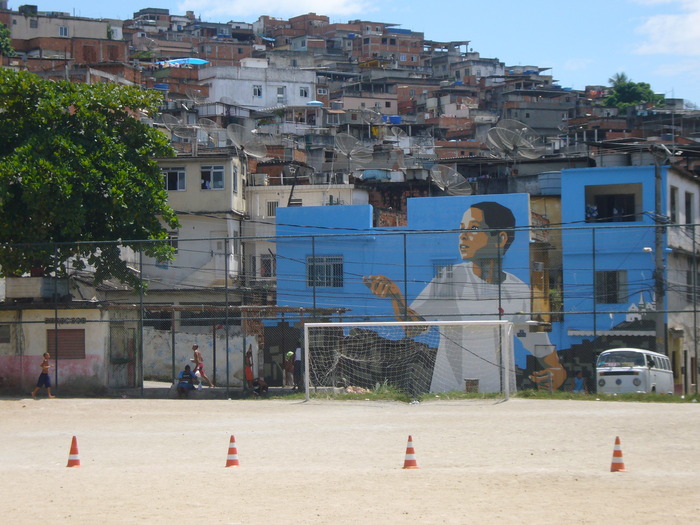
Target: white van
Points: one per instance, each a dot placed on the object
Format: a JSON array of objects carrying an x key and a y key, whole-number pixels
[{"x": 633, "y": 370}]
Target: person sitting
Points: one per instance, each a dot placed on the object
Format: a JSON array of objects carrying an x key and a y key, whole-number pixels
[
  {"x": 185, "y": 382},
  {"x": 579, "y": 385},
  {"x": 260, "y": 387}
]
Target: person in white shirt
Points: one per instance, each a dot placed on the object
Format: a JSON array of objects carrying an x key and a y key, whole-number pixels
[{"x": 476, "y": 289}]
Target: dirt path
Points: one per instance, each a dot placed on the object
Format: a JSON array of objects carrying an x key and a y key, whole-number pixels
[{"x": 523, "y": 461}]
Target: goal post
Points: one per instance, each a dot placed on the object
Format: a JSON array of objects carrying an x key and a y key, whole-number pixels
[{"x": 413, "y": 356}]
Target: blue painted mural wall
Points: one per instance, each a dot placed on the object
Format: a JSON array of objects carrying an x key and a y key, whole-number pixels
[{"x": 618, "y": 246}]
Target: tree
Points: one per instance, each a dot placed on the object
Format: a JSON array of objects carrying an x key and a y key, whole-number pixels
[
  {"x": 77, "y": 169},
  {"x": 6, "y": 48},
  {"x": 625, "y": 93}
]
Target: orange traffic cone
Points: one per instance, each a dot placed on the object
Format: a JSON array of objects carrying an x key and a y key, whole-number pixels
[
  {"x": 232, "y": 459},
  {"x": 410, "y": 461},
  {"x": 617, "y": 464},
  {"x": 73, "y": 458}
]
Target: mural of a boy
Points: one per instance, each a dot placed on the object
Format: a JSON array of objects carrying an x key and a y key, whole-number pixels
[{"x": 477, "y": 288}]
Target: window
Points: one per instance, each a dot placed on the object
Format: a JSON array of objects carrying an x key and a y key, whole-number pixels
[
  {"x": 443, "y": 272},
  {"x": 272, "y": 208},
  {"x": 324, "y": 272},
  {"x": 673, "y": 205},
  {"x": 281, "y": 95},
  {"x": 236, "y": 243},
  {"x": 158, "y": 319},
  {"x": 402, "y": 57},
  {"x": 411, "y": 93},
  {"x": 257, "y": 90},
  {"x": 387, "y": 104},
  {"x": 613, "y": 202},
  {"x": 4, "y": 333},
  {"x": 304, "y": 92},
  {"x": 209, "y": 317},
  {"x": 212, "y": 177},
  {"x": 611, "y": 287},
  {"x": 174, "y": 179},
  {"x": 62, "y": 31},
  {"x": 33, "y": 23},
  {"x": 322, "y": 91},
  {"x": 392, "y": 41},
  {"x": 267, "y": 266},
  {"x": 235, "y": 179},
  {"x": 689, "y": 208},
  {"x": 172, "y": 240},
  {"x": 71, "y": 343}
]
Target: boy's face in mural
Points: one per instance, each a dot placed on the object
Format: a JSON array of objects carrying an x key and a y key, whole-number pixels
[{"x": 475, "y": 241}]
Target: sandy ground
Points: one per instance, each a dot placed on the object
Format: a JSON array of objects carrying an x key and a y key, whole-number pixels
[{"x": 521, "y": 461}]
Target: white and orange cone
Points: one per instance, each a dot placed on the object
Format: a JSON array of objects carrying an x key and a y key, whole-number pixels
[
  {"x": 410, "y": 461},
  {"x": 73, "y": 457},
  {"x": 232, "y": 458},
  {"x": 617, "y": 464}
]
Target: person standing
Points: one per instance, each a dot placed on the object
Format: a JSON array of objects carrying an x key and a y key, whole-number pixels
[
  {"x": 249, "y": 366},
  {"x": 44, "y": 378},
  {"x": 198, "y": 361},
  {"x": 289, "y": 369},
  {"x": 297, "y": 369}
]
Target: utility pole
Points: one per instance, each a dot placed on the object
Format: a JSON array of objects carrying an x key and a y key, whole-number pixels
[{"x": 661, "y": 155}]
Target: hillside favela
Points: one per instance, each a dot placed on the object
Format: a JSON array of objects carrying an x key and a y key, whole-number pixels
[{"x": 303, "y": 205}]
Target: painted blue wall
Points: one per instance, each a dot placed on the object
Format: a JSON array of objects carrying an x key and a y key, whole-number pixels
[
  {"x": 366, "y": 251},
  {"x": 618, "y": 246}
]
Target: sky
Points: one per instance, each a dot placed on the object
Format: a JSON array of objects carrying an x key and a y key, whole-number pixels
[{"x": 584, "y": 43}]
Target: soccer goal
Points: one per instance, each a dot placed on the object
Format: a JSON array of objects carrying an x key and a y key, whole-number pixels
[{"x": 415, "y": 357}]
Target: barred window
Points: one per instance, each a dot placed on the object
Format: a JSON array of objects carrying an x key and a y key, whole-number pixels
[
  {"x": 324, "y": 272},
  {"x": 611, "y": 287}
]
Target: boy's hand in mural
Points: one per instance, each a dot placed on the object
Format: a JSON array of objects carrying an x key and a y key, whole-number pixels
[
  {"x": 553, "y": 373},
  {"x": 382, "y": 286}
]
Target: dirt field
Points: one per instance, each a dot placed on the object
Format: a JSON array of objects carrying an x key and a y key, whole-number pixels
[{"x": 522, "y": 461}]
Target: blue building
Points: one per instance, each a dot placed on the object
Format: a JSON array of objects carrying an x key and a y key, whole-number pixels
[{"x": 326, "y": 255}]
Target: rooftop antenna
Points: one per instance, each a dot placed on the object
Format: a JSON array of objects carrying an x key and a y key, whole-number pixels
[
  {"x": 450, "y": 180},
  {"x": 515, "y": 140},
  {"x": 246, "y": 141}
]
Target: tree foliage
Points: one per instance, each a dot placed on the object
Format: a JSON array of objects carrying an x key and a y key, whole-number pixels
[
  {"x": 625, "y": 93},
  {"x": 6, "y": 48},
  {"x": 78, "y": 169}
]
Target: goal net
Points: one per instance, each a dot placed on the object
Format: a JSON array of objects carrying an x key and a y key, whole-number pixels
[{"x": 415, "y": 357}]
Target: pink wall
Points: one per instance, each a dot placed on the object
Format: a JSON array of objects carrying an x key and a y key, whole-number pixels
[{"x": 21, "y": 372}]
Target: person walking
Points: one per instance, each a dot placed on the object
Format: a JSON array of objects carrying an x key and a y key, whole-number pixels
[
  {"x": 198, "y": 361},
  {"x": 44, "y": 378}
]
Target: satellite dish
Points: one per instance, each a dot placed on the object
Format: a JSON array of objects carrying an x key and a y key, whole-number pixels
[
  {"x": 369, "y": 116},
  {"x": 515, "y": 139},
  {"x": 185, "y": 132},
  {"x": 353, "y": 150},
  {"x": 195, "y": 95},
  {"x": 215, "y": 132},
  {"x": 450, "y": 180},
  {"x": 168, "y": 120},
  {"x": 228, "y": 101},
  {"x": 398, "y": 133},
  {"x": 245, "y": 141}
]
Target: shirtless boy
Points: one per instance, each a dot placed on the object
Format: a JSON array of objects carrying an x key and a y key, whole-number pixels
[
  {"x": 198, "y": 361},
  {"x": 44, "y": 378}
]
